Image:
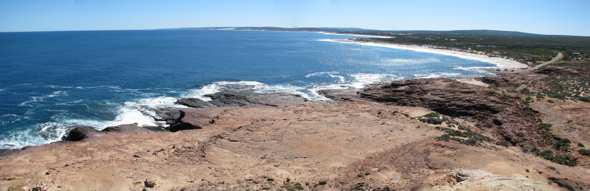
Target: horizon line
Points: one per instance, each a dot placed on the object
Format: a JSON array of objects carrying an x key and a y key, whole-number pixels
[{"x": 363, "y": 29}]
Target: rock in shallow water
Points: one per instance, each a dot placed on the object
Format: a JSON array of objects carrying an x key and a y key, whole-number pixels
[
  {"x": 237, "y": 99},
  {"x": 169, "y": 115},
  {"x": 84, "y": 133},
  {"x": 194, "y": 102}
]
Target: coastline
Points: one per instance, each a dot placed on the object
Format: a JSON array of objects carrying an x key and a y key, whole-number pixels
[
  {"x": 499, "y": 62},
  {"x": 372, "y": 136},
  {"x": 352, "y": 34}
]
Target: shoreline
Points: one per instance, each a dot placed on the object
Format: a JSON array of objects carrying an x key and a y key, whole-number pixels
[
  {"x": 352, "y": 34},
  {"x": 233, "y": 138},
  {"x": 499, "y": 62},
  {"x": 312, "y": 93}
]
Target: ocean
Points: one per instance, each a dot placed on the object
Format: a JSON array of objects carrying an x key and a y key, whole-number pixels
[{"x": 53, "y": 81}]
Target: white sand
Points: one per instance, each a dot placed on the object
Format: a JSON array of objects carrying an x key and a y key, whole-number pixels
[
  {"x": 499, "y": 62},
  {"x": 473, "y": 81},
  {"x": 372, "y": 36}
]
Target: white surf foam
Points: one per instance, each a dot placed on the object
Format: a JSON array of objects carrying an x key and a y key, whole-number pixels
[
  {"x": 499, "y": 62},
  {"x": 362, "y": 80},
  {"x": 253, "y": 86},
  {"x": 35, "y": 99},
  {"x": 9, "y": 119},
  {"x": 75, "y": 102},
  {"x": 341, "y": 79},
  {"x": 477, "y": 69},
  {"x": 409, "y": 61},
  {"x": 39, "y": 134},
  {"x": 438, "y": 75}
]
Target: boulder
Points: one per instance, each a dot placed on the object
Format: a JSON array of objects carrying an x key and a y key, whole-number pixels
[
  {"x": 85, "y": 133},
  {"x": 340, "y": 94},
  {"x": 238, "y": 99},
  {"x": 196, "y": 118},
  {"x": 229, "y": 99},
  {"x": 169, "y": 115},
  {"x": 80, "y": 133},
  {"x": 194, "y": 102}
]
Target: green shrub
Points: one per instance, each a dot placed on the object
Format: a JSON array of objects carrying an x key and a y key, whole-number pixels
[
  {"x": 564, "y": 161},
  {"x": 546, "y": 127},
  {"x": 503, "y": 143},
  {"x": 470, "y": 142},
  {"x": 584, "y": 152},
  {"x": 298, "y": 186},
  {"x": 444, "y": 137},
  {"x": 564, "y": 185},
  {"x": 550, "y": 101},
  {"x": 563, "y": 144},
  {"x": 431, "y": 114},
  {"x": 547, "y": 154},
  {"x": 535, "y": 150},
  {"x": 580, "y": 145},
  {"x": 432, "y": 120},
  {"x": 323, "y": 182}
]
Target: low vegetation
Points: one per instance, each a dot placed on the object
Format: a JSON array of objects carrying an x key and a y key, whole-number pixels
[
  {"x": 464, "y": 136},
  {"x": 526, "y": 48}
]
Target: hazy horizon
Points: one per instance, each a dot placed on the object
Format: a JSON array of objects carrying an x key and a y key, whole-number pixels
[{"x": 537, "y": 17}]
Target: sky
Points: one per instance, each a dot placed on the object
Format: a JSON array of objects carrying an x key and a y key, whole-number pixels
[{"x": 562, "y": 17}]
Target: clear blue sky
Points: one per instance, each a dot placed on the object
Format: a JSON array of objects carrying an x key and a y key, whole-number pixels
[{"x": 568, "y": 17}]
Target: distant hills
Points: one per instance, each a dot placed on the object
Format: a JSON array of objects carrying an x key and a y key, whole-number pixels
[
  {"x": 523, "y": 47},
  {"x": 495, "y": 33}
]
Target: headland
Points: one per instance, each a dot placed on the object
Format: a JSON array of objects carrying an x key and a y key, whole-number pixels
[
  {"x": 427, "y": 134},
  {"x": 520, "y": 130}
]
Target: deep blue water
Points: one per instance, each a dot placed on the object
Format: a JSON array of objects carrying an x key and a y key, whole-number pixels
[{"x": 52, "y": 81}]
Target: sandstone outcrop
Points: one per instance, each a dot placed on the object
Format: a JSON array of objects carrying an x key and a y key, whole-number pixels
[
  {"x": 496, "y": 113},
  {"x": 236, "y": 99},
  {"x": 86, "y": 133},
  {"x": 194, "y": 102},
  {"x": 80, "y": 133},
  {"x": 372, "y": 140}
]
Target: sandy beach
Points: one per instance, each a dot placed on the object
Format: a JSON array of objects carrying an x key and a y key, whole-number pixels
[
  {"x": 499, "y": 62},
  {"x": 352, "y": 34}
]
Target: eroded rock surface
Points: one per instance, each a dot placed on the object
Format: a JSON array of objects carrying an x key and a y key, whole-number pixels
[
  {"x": 194, "y": 102},
  {"x": 495, "y": 112},
  {"x": 86, "y": 133},
  {"x": 236, "y": 99},
  {"x": 340, "y": 146}
]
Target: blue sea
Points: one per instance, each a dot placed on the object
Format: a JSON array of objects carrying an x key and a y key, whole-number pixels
[{"x": 53, "y": 81}]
